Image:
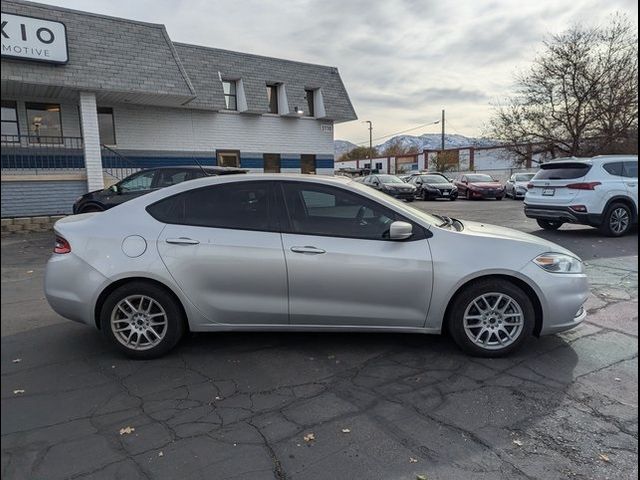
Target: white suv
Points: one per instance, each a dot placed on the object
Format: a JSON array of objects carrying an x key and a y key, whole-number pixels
[{"x": 600, "y": 191}]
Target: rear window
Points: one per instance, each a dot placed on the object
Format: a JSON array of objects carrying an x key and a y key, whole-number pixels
[
  {"x": 562, "y": 171},
  {"x": 630, "y": 169}
]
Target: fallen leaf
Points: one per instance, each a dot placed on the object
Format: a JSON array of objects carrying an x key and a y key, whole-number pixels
[
  {"x": 160, "y": 453},
  {"x": 218, "y": 398},
  {"x": 309, "y": 437},
  {"x": 421, "y": 477},
  {"x": 413, "y": 460},
  {"x": 18, "y": 392},
  {"x": 604, "y": 457},
  {"x": 127, "y": 430},
  {"x": 346, "y": 430},
  {"x": 29, "y": 271},
  {"x": 518, "y": 442},
  {"x": 16, "y": 360},
  {"x": 618, "y": 379},
  {"x": 331, "y": 357}
]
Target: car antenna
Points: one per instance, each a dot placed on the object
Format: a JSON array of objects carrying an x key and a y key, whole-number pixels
[{"x": 192, "y": 138}]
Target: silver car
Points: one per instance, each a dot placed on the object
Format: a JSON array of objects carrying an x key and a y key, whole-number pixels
[
  {"x": 298, "y": 253},
  {"x": 516, "y": 186}
]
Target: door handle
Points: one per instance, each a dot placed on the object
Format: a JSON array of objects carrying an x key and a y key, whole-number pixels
[
  {"x": 308, "y": 250},
  {"x": 631, "y": 184},
  {"x": 182, "y": 241}
]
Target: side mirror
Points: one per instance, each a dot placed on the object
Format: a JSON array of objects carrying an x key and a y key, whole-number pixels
[
  {"x": 400, "y": 230},
  {"x": 114, "y": 188}
]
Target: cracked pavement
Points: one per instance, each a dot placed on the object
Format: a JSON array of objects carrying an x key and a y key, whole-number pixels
[{"x": 238, "y": 405}]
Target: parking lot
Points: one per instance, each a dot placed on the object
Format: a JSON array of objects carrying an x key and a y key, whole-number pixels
[{"x": 325, "y": 406}]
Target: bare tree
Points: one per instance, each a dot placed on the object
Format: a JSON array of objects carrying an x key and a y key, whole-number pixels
[
  {"x": 580, "y": 96},
  {"x": 358, "y": 153}
]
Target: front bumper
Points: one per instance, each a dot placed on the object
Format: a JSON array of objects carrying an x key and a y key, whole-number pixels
[
  {"x": 486, "y": 194},
  {"x": 434, "y": 194},
  {"x": 561, "y": 214},
  {"x": 401, "y": 195},
  {"x": 562, "y": 297}
]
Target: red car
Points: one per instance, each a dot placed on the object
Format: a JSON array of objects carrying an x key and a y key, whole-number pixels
[{"x": 478, "y": 185}]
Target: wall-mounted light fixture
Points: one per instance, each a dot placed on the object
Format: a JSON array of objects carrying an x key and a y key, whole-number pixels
[{"x": 298, "y": 110}]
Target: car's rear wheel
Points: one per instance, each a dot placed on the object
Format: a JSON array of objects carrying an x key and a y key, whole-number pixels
[
  {"x": 141, "y": 319},
  {"x": 491, "y": 318},
  {"x": 617, "y": 220},
  {"x": 549, "y": 224}
]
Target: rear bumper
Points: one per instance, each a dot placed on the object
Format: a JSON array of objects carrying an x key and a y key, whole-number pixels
[{"x": 562, "y": 214}]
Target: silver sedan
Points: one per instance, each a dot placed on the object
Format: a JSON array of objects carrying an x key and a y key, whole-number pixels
[{"x": 281, "y": 252}]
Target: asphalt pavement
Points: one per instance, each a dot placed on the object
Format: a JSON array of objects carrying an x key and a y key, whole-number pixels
[{"x": 325, "y": 406}]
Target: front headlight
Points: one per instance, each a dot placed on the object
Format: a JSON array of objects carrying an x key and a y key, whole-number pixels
[{"x": 559, "y": 263}]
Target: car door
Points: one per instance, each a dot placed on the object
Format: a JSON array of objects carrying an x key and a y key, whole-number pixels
[
  {"x": 342, "y": 268},
  {"x": 221, "y": 246},
  {"x": 630, "y": 174}
]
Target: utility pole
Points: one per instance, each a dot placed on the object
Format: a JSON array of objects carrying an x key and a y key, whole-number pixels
[
  {"x": 442, "y": 121},
  {"x": 370, "y": 146}
]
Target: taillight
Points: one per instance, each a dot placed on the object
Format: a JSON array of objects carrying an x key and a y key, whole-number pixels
[
  {"x": 583, "y": 186},
  {"x": 530, "y": 186},
  {"x": 62, "y": 246},
  {"x": 579, "y": 208}
]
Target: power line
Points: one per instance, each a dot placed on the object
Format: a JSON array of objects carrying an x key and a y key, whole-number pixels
[{"x": 398, "y": 133}]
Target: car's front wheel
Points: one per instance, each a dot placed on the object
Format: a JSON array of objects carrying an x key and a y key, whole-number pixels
[
  {"x": 549, "y": 224},
  {"x": 491, "y": 318},
  {"x": 617, "y": 220},
  {"x": 142, "y": 319}
]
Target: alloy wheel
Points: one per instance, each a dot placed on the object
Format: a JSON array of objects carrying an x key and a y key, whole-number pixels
[
  {"x": 619, "y": 220},
  {"x": 493, "y": 321},
  {"x": 139, "y": 322}
]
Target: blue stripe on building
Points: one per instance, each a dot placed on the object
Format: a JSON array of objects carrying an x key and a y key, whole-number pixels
[
  {"x": 251, "y": 162},
  {"x": 288, "y": 160},
  {"x": 324, "y": 161}
]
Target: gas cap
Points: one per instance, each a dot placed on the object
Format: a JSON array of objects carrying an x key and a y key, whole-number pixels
[{"x": 134, "y": 246}]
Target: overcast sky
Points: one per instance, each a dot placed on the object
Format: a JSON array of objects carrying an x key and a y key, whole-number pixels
[{"x": 402, "y": 61}]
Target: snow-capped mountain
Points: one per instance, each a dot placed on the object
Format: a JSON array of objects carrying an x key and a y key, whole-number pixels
[{"x": 428, "y": 141}]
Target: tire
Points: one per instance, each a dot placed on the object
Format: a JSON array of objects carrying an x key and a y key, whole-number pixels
[
  {"x": 453, "y": 199},
  {"x": 425, "y": 196},
  {"x": 499, "y": 198},
  {"x": 409, "y": 200},
  {"x": 549, "y": 224},
  {"x": 92, "y": 208},
  {"x": 491, "y": 333},
  {"x": 468, "y": 195},
  {"x": 166, "y": 308},
  {"x": 617, "y": 220}
]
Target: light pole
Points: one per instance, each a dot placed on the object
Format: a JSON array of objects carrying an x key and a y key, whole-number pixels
[{"x": 370, "y": 146}]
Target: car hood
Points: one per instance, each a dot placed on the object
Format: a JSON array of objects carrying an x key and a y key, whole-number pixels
[
  {"x": 504, "y": 233},
  {"x": 486, "y": 184},
  {"x": 439, "y": 185},
  {"x": 398, "y": 186}
]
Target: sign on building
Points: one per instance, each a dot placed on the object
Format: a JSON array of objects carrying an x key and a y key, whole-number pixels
[{"x": 30, "y": 38}]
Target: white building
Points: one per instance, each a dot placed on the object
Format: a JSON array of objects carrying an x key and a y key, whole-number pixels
[{"x": 87, "y": 98}]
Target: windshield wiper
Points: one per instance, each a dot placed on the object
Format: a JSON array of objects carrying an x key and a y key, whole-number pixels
[{"x": 447, "y": 222}]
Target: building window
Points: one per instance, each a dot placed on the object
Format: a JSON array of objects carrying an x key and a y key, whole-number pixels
[
  {"x": 10, "y": 131},
  {"x": 228, "y": 158},
  {"x": 379, "y": 166},
  {"x": 45, "y": 123},
  {"x": 230, "y": 94},
  {"x": 311, "y": 110},
  {"x": 272, "y": 98},
  {"x": 308, "y": 164},
  {"x": 271, "y": 163},
  {"x": 106, "y": 126}
]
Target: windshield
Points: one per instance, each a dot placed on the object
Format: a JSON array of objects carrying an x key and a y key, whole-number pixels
[
  {"x": 399, "y": 205},
  {"x": 524, "y": 177},
  {"x": 433, "y": 179},
  {"x": 389, "y": 179},
  {"x": 562, "y": 171},
  {"x": 480, "y": 178}
]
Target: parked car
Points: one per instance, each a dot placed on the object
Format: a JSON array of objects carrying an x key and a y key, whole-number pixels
[
  {"x": 295, "y": 252},
  {"x": 516, "y": 186},
  {"x": 143, "y": 182},
  {"x": 479, "y": 185},
  {"x": 391, "y": 185},
  {"x": 433, "y": 186},
  {"x": 601, "y": 192}
]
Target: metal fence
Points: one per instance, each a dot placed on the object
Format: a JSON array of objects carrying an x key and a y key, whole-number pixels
[
  {"x": 31, "y": 154},
  {"x": 116, "y": 165}
]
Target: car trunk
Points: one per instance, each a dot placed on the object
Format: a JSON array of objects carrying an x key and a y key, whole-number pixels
[{"x": 549, "y": 186}]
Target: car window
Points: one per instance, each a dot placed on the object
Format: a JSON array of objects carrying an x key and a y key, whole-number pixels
[
  {"x": 237, "y": 205},
  {"x": 389, "y": 179},
  {"x": 562, "y": 171},
  {"x": 613, "y": 168},
  {"x": 166, "y": 178},
  {"x": 433, "y": 179},
  {"x": 630, "y": 169},
  {"x": 523, "y": 177},
  {"x": 330, "y": 211},
  {"x": 480, "y": 178},
  {"x": 138, "y": 182}
]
